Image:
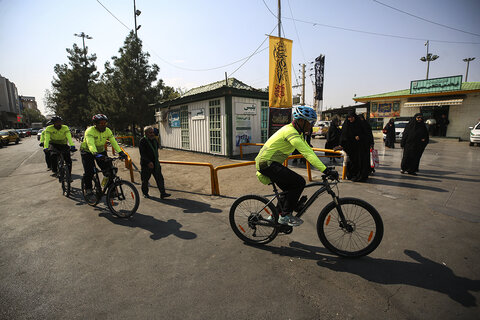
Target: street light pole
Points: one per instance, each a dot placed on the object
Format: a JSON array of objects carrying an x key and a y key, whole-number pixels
[
  {"x": 467, "y": 60},
  {"x": 135, "y": 14},
  {"x": 83, "y": 36},
  {"x": 429, "y": 57}
]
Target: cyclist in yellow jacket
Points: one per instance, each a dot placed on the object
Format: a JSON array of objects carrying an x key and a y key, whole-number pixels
[
  {"x": 277, "y": 149},
  {"x": 93, "y": 148},
  {"x": 46, "y": 151},
  {"x": 58, "y": 137}
]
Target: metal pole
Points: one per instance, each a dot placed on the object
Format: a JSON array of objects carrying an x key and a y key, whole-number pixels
[
  {"x": 279, "y": 19},
  {"x": 466, "y": 74},
  {"x": 303, "y": 84},
  {"x": 467, "y": 60},
  {"x": 428, "y": 60},
  {"x": 135, "y": 17}
]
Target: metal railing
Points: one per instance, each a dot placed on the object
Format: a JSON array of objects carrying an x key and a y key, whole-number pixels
[{"x": 213, "y": 179}]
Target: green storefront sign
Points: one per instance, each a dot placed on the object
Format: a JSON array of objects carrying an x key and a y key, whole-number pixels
[{"x": 436, "y": 85}]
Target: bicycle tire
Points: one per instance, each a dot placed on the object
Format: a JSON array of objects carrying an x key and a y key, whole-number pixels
[
  {"x": 97, "y": 193},
  {"x": 66, "y": 181},
  {"x": 245, "y": 214},
  {"x": 123, "y": 199},
  {"x": 362, "y": 217}
]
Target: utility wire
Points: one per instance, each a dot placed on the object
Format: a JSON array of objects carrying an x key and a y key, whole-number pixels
[
  {"x": 113, "y": 15},
  {"x": 429, "y": 21},
  {"x": 379, "y": 34},
  {"x": 179, "y": 67},
  {"x": 254, "y": 52},
  {"x": 372, "y": 33}
]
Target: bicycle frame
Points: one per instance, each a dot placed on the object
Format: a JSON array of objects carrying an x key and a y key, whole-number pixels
[
  {"x": 112, "y": 177},
  {"x": 325, "y": 188}
]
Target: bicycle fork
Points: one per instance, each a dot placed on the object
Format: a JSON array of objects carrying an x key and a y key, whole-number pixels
[{"x": 343, "y": 221}]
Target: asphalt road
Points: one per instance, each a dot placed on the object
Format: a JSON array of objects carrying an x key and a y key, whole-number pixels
[{"x": 178, "y": 258}]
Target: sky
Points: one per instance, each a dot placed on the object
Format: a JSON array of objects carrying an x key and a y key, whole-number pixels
[{"x": 370, "y": 46}]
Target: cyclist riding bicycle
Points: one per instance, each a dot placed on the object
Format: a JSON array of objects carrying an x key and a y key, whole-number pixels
[
  {"x": 93, "y": 148},
  {"x": 45, "y": 151},
  {"x": 277, "y": 149},
  {"x": 58, "y": 137}
]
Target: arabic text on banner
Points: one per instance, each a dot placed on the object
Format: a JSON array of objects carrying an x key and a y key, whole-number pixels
[{"x": 280, "y": 75}]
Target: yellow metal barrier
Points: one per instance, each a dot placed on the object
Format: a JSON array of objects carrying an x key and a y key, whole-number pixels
[
  {"x": 248, "y": 144},
  {"x": 213, "y": 181},
  {"x": 227, "y": 166}
]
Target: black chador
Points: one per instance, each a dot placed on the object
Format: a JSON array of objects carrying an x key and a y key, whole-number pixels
[
  {"x": 414, "y": 141},
  {"x": 354, "y": 140}
]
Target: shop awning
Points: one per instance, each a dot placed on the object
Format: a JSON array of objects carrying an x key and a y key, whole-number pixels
[{"x": 452, "y": 102}]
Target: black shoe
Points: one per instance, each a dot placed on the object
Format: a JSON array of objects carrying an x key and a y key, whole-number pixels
[
  {"x": 412, "y": 173},
  {"x": 146, "y": 196},
  {"x": 402, "y": 171},
  {"x": 165, "y": 195}
]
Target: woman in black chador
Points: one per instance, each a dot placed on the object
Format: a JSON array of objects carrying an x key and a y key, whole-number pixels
[
  {"x": 354, "y": 140},
  {"x": 333, "y": 138},
  {"x": 414, "y": 141},
  {"x": 390, "y": 134}
]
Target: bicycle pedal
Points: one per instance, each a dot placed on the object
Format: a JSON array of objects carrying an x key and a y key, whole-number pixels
[{"x": 286, "y": 229}]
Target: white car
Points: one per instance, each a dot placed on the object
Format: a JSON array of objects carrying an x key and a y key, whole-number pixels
[
  {"x": 320, "y": 128},
  {"x": 39, "y": 133},
  {"x": 399, "y": 128},
  {"x": 475, "y": 134}
]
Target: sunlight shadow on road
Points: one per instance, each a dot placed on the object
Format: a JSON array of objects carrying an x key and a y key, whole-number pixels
[
  {"x": 188, "y": 205},
  {"x": 159, "y": 229},
  {"x": 423, "y": 273}
]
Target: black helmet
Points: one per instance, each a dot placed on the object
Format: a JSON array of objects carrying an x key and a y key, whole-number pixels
[
  {"x": 56, "y": 119},
  {"x": 98, "y": 117}
]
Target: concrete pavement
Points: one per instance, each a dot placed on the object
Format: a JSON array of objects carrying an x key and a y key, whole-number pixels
[{"x": 178, "y": 258}]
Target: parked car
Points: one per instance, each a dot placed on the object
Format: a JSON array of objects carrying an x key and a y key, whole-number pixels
[
  {"x": 9, "y": 136},
  {"x": 39, "y": 134},
  {"x": 320, "y": 129},
  {"x": 25, "y": 132},
  {"x": 35, "y": 130},
  {"x": 399, "y": 128},
  {"x": 475, "y": 135},
  {"x": 20, "y": 133}
]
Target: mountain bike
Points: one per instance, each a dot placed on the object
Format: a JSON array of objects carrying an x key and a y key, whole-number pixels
[
  {"x": 63, "y": 170},
  {"x": 121, "y": 196},
  {"x": 347, "y": 227}
]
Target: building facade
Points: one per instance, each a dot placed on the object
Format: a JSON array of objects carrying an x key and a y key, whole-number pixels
[
  {"x": 214, "y": 118},
  {"x": 10, "y": 116},
  {"x": 436, "y": 98}
]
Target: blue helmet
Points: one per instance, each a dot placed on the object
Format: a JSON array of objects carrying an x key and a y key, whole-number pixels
[{"x": 304, "y": 112}]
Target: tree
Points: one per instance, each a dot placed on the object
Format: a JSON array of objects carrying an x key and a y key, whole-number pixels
[
  {"x": 130, "y": 85},
  {"x": 70, "y": 96},
  {"x": 33, "y": 115}
]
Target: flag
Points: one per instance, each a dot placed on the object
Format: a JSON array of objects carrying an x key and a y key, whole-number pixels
[
  {"x": 280, "y": 76},
  {"x": 319, "y": 71}
]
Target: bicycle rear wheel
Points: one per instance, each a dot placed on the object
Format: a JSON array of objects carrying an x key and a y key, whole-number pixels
[
  {"x": 252, "y": 220},
  {"x": 362, "y": 234},
  {"x": 123, "y": 199},
  {"x": 65, "y": 180},
  {"x": 96, "y": 195}
]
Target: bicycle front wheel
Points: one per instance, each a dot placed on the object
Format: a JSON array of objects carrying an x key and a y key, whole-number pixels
[
  {"x": 93, "y": 198},
  {"x": 66, "y": 181},
  {"x": 253, "y": 219},
  {"x": 123, "y": 199},
  {"x": 362, "y": 233}
]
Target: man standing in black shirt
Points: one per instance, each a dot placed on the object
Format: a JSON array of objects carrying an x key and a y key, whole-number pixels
[{"x": 148, "y": 148}]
